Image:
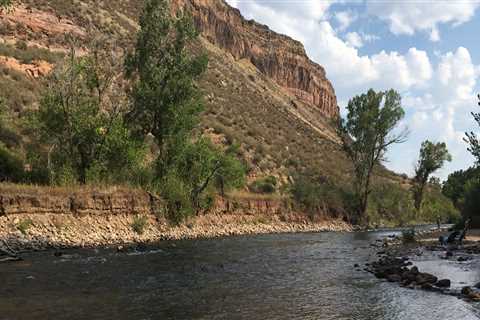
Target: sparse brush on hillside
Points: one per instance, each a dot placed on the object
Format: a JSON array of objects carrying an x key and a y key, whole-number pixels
[
  {"x": 264, "y": 185},
  {"x": 5, "y": 3}
]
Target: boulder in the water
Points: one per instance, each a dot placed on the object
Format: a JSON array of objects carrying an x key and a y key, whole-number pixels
[
  {"x": 394, "y": 278},
  {"x": 444, "y": 283},
  {"x": 470, "y": 293}
]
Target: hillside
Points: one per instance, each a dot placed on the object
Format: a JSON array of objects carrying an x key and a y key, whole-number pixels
[{"x": 261, "y": 89}]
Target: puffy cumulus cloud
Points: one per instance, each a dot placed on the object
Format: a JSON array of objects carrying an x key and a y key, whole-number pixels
[
  {"x": 349, "y": 71},
  {"x": 344, "y": 19},
  {"x": 407, "y": 17},
  {"x": 442, "y": 112},
  {"x": 437, "y": 97},
  {"x": 354, "y": 39},
  {"x": 442, "y": 124},
  {"x": 402, "y": 71},
  {"x": 298, "y": 9},
  {"x": 456, "y": 75}
]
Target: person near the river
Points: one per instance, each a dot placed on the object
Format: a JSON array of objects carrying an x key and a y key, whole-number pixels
[{"x": 455, "y": 235}]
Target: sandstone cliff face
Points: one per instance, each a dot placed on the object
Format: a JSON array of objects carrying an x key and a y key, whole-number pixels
[{"x": 277, "y": 56}]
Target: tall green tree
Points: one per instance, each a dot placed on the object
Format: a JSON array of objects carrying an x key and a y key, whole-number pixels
[
  {"x": 455, "y": 186},
  {"x": 366, "y": 135},
  {"x": 166, "y": 101},
  {"x": 471, "y": 197},
  {"x": 81, "y": 117},
  {"x": 472, "y": 139},
  {"x": 432, "y": 157}
]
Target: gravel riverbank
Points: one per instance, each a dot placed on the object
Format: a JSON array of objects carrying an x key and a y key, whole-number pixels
[{"x": 42, "y": 231}]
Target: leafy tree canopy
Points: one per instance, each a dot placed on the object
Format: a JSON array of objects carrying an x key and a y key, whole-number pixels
[
  {"x": 432, "y": 157},
  {"x": 367, "y": 132},
  {"x": 472, "y": 139}
]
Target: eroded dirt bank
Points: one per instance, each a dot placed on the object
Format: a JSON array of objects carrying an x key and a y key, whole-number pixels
[{"x": 38, "y": 218}]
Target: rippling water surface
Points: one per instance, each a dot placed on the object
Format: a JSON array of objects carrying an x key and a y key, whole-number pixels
[{"x": 286, "y": 276}]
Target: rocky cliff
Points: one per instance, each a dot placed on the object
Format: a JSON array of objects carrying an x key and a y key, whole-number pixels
[{"x": 279, "y": 57}]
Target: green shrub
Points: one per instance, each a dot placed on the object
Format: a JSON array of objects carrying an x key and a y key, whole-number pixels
[
  {"x": 390, "y": 204},
  {"x": 11, "y": 167},
  {"x": 28, "y": 54},
  {"x": 436, "y": 206},
  {"x": 21, "y": 45},
  {"x": 24, "y": 225},
  {"x": 317, "y": 195},
  {"x": 408, "y": 236},
  {"x": 471, "y": 203},
  {"x": 264, "y": 185},
  {"x": 139, "y": 223},
  {"x": 177, "y": 197}
]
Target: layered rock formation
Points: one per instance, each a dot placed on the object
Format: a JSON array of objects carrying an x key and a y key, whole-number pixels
[{"x": 277, "y": 56}]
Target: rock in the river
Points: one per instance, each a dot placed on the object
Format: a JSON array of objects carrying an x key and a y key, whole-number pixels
[
  {"x": 423, "y": 277},
  {"x": 470, "y": 293},
  {"x": 394, "y": 278},
  {"x": 444, "y": 283}
]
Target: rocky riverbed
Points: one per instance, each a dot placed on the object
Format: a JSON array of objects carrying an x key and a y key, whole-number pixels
[{"x": 426, "y": 265}]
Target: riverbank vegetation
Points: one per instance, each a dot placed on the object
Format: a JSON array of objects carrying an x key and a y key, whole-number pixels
[
  {"x": 114, "y": 117},
  {"x": 111, "y": 115},
  {"x": 463, "y": 186}
]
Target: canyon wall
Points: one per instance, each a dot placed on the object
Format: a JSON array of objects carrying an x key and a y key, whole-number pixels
[{"x": 279, "y": 57}]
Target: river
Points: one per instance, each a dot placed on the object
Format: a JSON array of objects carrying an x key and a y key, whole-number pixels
[{"x": 282, "y": 276}]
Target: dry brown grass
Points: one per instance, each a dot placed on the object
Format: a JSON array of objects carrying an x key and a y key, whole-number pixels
[{"x": 14, "y": 188}]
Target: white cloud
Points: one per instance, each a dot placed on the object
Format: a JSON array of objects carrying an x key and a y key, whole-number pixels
[
  {"x": 354, "y": 39},
  {"x": 437, "y": 97},
  {"x": 442, "y": 113},
  {"x": 407, "y": 17},
  {"x": 344, "y": 19}
]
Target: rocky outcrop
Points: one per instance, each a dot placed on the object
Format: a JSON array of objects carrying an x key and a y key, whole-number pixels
[
  {"x": 277, "y": 56},
  {"x": 36, "y": 69}
]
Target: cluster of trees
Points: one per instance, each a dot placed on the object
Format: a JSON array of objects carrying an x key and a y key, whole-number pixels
[
  {"x": 110, "y": 117},
  {"x": 370, "y": 128},
  {"x": 463, "y": 186},
  {"x": 366, "y": 135}
]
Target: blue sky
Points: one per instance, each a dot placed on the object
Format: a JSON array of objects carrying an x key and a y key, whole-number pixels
[{"x": 427, "y": 50}]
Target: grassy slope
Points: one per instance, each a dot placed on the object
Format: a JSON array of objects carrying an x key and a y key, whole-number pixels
[{"x": 278, "y": 134}]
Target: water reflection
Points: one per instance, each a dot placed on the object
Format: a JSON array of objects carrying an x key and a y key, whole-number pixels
[{"x": 287, "y": 276}]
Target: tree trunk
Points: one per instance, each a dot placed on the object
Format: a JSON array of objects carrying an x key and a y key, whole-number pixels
[{"x": 418, "y": 197}]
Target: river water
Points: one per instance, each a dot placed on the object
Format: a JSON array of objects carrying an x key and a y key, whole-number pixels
[{"x": 282, "y": 276}]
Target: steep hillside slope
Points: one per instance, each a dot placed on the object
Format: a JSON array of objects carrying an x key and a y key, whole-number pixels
[{"x": 261, "y": 89}]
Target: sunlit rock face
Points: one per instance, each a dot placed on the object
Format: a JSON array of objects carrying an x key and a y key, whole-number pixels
[{"x": 279, "y": 57}]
